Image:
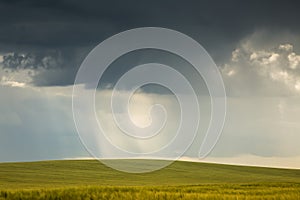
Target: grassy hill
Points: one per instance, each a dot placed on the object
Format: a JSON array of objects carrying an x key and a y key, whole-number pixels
[{"x": 90, "y": 177}]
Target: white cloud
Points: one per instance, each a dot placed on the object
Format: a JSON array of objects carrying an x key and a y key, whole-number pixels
[
  {"x": 6, "y": 82},
  {"x": 20, "y": 78},
  {"x": 235, "y": 55},
  {"x": 297, "y": 86},
  {"x": 286, "y": 47},
  {"x": 269, "y": 70},
  {"x": 294, "y": 60}
]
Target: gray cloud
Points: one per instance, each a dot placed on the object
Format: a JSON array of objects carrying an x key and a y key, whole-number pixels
[
  {"x": 17, "y": 61},
  {"x": 35, "y": 28}
]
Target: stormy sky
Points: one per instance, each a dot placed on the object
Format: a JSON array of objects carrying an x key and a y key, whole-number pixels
[{"x": 255, "y": 44}]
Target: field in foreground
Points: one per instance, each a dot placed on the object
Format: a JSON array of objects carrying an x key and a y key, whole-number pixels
[{"x": 89, "y": 179}]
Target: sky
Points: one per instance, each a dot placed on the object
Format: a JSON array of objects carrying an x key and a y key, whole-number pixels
[{"x": 255, "y": 45}]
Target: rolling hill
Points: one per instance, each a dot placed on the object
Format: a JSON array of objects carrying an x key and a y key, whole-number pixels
[
  {"x": 92, "y": 172},
  {"x": 90, "y": 177}
]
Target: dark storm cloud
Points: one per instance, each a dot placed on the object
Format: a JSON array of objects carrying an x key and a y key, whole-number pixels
[
  {"x": 52, "y": 66},
  {"x": 17, "y": 61},
  {"x": 71, "y": 28},
  {"x": 59, "y": 23}
]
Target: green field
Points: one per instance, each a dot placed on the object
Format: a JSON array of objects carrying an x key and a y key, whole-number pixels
[{"x": 89, "y": 179}]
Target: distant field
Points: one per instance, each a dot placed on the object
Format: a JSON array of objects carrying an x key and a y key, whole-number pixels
[{"x": 89, "y": 179}]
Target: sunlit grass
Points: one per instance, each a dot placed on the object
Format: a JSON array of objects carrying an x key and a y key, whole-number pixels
[
  {"x": 89, "y": 179},
  {"x": 212, "y": 191}
]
